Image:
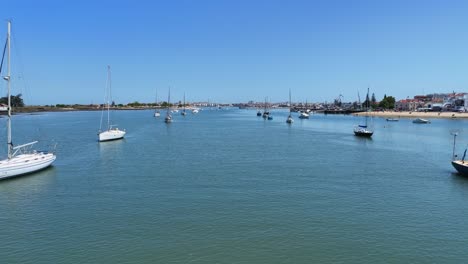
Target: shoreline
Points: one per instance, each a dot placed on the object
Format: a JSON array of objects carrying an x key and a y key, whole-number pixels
[
  {"x": 383, "y": 114},
  {"x": 410, "y": 114}
]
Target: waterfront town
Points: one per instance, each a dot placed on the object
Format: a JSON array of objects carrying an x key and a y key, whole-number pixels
[{"x": 437, "y": 102}]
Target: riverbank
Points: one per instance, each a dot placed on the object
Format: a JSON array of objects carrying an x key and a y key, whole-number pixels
[{"x": 392, "y": 114}]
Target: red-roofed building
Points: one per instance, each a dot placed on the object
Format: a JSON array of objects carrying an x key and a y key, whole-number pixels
[{"x": 408, "y": 104}]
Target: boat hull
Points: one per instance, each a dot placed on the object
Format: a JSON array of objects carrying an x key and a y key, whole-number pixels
[
  {"x": 25, "y": 164},
  {"x": 421, "y": 121},
  {"x": 112, "y": 134},
  {"x": 363, "y": 134},
  {"x": 461, "y": 167},
  {"x": 363, "y": 131}
]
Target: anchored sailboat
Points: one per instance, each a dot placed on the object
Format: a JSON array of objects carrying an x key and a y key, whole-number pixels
[
  {"x": 168, "y": 118},
  {"x": 156, "y": 112},
  {"x": 363, "y": 130},
  {"x": 461, "y": 165},
  {"x": 266, "y": 113},
  {"x": 112, "y": 132},
  {"x": 304, "y": 113},
  {"x": 183, "y": 111},
  {"x": 21, "y": 159},
  {"x": 290, "y": 120}
]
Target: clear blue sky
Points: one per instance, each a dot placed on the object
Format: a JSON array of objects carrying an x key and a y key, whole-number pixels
[{"x": 236, "y": 50}]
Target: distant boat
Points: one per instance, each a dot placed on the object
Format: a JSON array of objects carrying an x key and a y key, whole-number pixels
[
  {"x": 183, "y": 111},
  {"x": 195, "y": 111},
  {"x": 21, "y": 159},
  {"x": 304, "y": 115},
  {"x": 168, "y": 118},
  {"x": 364, "y": 130},
  {"x": 266, "y": 113},
  {"x": 393, "y": 119},
  {"x": 156, "y": 112},
  {"x": 270, "y": 117},
  {"x": 290, "y": 120},
  {"x": 112, "y": 132},
  {"x": 460, "y": 165},
  {"x": 259, "y": 113},
  {"x": 421, "y": 121}
]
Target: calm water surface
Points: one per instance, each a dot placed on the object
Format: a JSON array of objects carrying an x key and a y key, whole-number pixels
[{"x": 225, "y": 186}]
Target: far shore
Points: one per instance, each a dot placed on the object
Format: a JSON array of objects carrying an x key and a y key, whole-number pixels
[
  {"x": 38, "y": 109},
  {"x": 393, "y": 114}
]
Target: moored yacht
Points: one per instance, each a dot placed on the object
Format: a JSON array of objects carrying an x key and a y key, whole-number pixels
[
  {"x": 112, "y": 132},
  {"x": 20, "y": 159}
]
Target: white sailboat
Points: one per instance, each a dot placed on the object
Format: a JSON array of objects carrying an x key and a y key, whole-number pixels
[
  {"x": 21, "y": 159},
  {"x": 304, "y": 113},
  {"x": 290, "y": 120},
  {"x": 156, "y": 112},
  {"x": 183, "y": 111},
  {"x": 168, "y": 118},
  {"x": 112, "y": 132}
]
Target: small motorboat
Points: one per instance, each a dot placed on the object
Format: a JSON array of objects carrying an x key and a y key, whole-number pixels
[
  {"x": 393, "y": 119},
  {"x": 421, "y": 121}
]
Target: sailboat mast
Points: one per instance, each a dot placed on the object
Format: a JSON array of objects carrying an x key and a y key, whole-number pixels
[
  {"x": 168, "y": 102},
  {"x": 156, "y": 106},
  {"x": 7, "y": 78},
  {"x": 108, "y": 96},
  {"x": 290, "y": 102},
  {"x": 368, "y": 104}
]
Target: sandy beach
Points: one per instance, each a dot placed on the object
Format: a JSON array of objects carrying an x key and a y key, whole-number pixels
[{"x": 392, "y": 114}]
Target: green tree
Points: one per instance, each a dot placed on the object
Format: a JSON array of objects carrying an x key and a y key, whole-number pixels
[
  {"x": 16, "y": 100},
  {"x": 388, "y": 102},
  {"x": 373, "y": 101}
]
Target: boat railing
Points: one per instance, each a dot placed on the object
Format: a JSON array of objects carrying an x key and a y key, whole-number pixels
[{"x": 22, "y": 149}]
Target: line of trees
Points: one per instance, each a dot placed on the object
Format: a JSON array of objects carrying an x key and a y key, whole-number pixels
[{"x": 388, "y": 102}]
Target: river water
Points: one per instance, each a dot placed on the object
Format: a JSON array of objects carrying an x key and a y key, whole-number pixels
[{"x": 226, "y": 186}]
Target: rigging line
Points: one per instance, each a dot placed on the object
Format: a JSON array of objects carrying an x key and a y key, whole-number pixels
[
  {"x": 17, "y": 51},
  {"x": 104, "y": 105},
  {"x": 3, "y": 57}
]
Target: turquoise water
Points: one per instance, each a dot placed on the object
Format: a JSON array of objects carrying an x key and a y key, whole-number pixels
[{"x": 226, "y": 186}]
